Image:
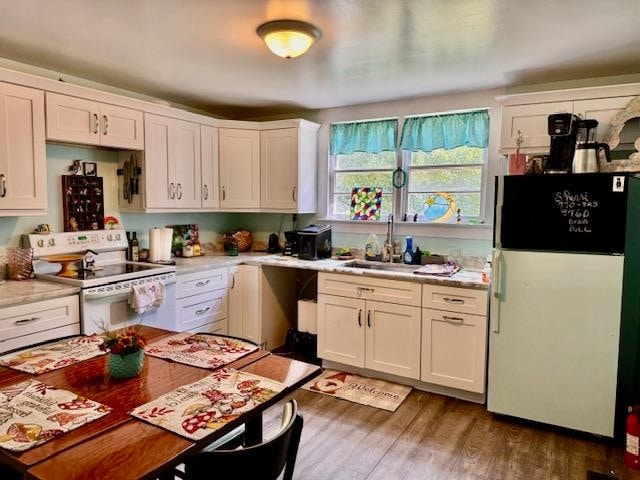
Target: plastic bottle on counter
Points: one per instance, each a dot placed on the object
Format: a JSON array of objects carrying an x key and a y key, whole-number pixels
[
  {"x": 372, "y": 248},
  {"x": 135, "y": 248},
  {"x": 408, "y": 252},
  {"x": 486, "y": 272}
]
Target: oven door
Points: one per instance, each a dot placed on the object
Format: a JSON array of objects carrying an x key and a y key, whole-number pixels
[{"x": 107, "y": 307}]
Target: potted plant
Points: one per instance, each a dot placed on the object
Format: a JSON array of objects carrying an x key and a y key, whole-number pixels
[{"x": 126, "y": 352}]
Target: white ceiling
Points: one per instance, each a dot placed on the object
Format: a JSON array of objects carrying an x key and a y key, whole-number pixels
[{"x": 205, "y": 53}]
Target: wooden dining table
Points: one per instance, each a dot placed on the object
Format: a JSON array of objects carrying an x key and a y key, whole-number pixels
[{"x": 119, "y": 446}]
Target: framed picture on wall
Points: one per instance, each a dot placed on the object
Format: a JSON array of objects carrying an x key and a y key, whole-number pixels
[{"x": 90, "y": 169}]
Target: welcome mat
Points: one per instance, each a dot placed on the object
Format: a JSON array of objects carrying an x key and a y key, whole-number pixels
[{"x": 366, "y": 391}]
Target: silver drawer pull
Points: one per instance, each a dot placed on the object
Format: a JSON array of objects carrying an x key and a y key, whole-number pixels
[
  {"x": 364, "y": 289},
  {"x": 26, "y": 320},
  {"x": 453, "y": 300},
  {"x": 204, "y": 310},
  {"x": 202, "y": 284},
  {"x": 453, "y": 319}
]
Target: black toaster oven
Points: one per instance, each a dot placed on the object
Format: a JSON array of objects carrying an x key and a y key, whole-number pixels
[{"x": 314, "y": 242}]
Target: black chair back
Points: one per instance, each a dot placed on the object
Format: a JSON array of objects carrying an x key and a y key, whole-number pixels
[{"x": 264, "y": 461}]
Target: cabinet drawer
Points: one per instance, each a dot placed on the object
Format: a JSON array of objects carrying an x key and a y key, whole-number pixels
[
  {"x": 382, "y": 290},
  {"x": 202, "y": 282},
  {"x": 196, "y": 311},
  {"x": 453, "y": 299},
  {"x": 24, "y": 325},
  {"x": 221, "y": 327}
]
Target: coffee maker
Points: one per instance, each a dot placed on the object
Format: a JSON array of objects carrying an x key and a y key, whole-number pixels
[
  {"x": 563, "y": 129},
  {"x": 291, "y": 243},
  {"x": 586, "y": 157}
]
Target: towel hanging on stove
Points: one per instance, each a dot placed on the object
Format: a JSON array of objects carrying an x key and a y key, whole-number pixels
[{"x": 146, "y": 296}]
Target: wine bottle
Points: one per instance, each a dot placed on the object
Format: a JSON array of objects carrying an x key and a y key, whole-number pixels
[{"x": 135, "y": 248}]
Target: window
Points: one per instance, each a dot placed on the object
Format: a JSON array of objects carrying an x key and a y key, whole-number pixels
[{"x": 443, "y": 155}]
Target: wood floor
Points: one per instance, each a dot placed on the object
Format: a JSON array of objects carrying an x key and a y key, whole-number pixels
[{"x": 435, "y": 437}]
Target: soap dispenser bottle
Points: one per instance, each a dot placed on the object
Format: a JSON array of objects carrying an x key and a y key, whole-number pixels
[{"x": 408, "y": 252}]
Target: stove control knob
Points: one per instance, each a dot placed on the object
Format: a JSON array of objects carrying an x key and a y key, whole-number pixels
[
  {"x": 52, "y": 242},
  {"x": 41, "y": 243},
  {"x": 117, "y": 236},
  {"x": 109, "y": 237}
]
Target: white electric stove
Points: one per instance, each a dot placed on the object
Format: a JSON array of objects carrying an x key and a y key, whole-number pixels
[{"x": 105, "y": 277}]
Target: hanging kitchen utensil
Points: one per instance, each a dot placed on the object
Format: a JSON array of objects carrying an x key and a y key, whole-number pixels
[
  {"x": 399, "y": 178},
  {"x": 125, "y": 180},
  {"x": 131, "y": 179},
  {"x": 136, "y": 175}
]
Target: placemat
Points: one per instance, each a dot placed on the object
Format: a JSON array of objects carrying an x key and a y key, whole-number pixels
[
  {"x": 198, "y": 350},
  {"x": 32, "y": 413},
  {"x": 52, "y": 356},
  {"x": 198, "y": 409},
  {"x": 366, "y": 391}
]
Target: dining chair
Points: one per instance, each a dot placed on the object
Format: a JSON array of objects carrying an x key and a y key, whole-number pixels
[{"x": 265, "y": 460}]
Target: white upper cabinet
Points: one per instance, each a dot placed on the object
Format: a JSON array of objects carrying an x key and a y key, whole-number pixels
[
  {"x": 525, "y": 115},
  {"x": 77, "y": 120},
  {"x": 172, "y": 163},
  {"x": 23, "y": 171},
  {"x": 288, "y": 168},
  {"x": 239, "y": 168},
  {"x": 210, "y": 167}
]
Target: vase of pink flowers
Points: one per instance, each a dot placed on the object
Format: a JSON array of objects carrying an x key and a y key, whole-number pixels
[{"x": 126, "y": 353}]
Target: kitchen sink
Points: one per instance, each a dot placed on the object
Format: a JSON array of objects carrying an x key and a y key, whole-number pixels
[{"x": 389, "y": 267}]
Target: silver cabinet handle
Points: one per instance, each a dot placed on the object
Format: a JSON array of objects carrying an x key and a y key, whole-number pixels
[
  {"x": 359, "y": 290},
  {"x": 204, "y": 310},
  {"x": 369, "y": 318},
  {"x": 172, "y": 191},
  {"x": 458, "y": 320},
  {"x": 205, "y": 192},
  {"x": 95, "y": 123},
  {"x": 179, "y": 190},
  {"x": 106, "y": 124},
  {"x": 202, "y": 283},
  {"x": 3, "y": 185},
  {"x": 294, "y": 194},
  {"x": 359, "y": 317},
  {"x": 496, "y": 286},
  {"x": 233, "y": 281},
  {"x": 26, "y": 320},
  {"x": 224, "y": 194},
  {"x": 459, "y": 301}
]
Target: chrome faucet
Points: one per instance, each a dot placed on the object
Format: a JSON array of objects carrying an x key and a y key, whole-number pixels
[{"x": 388, "y": 244}]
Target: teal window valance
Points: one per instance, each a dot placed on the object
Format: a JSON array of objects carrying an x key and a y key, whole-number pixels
[
  {"x": 369, "y": 137},
  {"x": 470, "y": 129}
]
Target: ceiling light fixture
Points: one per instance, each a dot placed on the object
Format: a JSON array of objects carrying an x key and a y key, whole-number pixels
[{"x": 288, "y": 38}]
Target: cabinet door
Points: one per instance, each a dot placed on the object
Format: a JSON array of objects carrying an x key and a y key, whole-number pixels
[
  {"x": 239, "y": 168},
  {"x": 159, "y": 176},
  {"x": 210, "y": 167},
  {"x": 341, "y": 323},
  {"x": 23, "y": 169},
  {"x": 121, "y": 127},
  {"x": 532, "y": 122},
  {"x": 279, "y": 169},
  {"x": 186, "y": 165},
  {"x": 393, "y": 339},
  {"x": 454, "y": 349},
  {"x": 244, "y": 303},
  {"x": 603, "y": 110},
  {"x": 71, "y": 119}
]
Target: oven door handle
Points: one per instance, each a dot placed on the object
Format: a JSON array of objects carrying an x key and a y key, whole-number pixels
[{"x": 99, "y": 295}]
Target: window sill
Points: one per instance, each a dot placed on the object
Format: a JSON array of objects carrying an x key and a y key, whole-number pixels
[{"x": 482, "y": 231}]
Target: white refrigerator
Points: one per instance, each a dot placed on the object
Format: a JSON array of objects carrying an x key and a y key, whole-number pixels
[{"x": 556, "y": 300}]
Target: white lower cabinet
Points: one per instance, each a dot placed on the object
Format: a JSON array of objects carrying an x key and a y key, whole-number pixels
[
  {"x": 31, "y": 323},
  {"x": 202, "y": 301},
  {"x": 366, "y": 333},
  {"x": 244, "y": 304},
  {"x": 454, "y": 337}
]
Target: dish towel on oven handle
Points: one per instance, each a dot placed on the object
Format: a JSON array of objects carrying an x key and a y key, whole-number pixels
[{"x": 147, "y": 295}]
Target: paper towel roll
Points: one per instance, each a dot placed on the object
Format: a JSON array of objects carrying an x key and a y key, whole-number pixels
[
  {"x": 307, "y": 316},
  {"x": 160, "y": 244}
]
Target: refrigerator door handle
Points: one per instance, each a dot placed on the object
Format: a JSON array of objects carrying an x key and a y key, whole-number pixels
[{"x": 496, "y": 286}]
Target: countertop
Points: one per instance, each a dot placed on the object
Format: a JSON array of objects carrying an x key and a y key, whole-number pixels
[
  {"x": 13, "y": 292},
  {"x": 465, "y": 278}
]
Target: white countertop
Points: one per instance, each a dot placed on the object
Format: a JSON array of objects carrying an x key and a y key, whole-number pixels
[
  {"x": 14, "y": 292},
  {"x": 466, "y": 278}
]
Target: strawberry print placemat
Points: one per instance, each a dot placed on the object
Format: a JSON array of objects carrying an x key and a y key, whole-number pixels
[
  {"x": 32, "y": 413},
  {"x": 56, "y": 355},
  {"x": 198, "y": 350},
  {"x": 196, "y": 410}
]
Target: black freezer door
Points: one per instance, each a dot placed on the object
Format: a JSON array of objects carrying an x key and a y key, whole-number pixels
[{"x": 565, "y": 213}]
